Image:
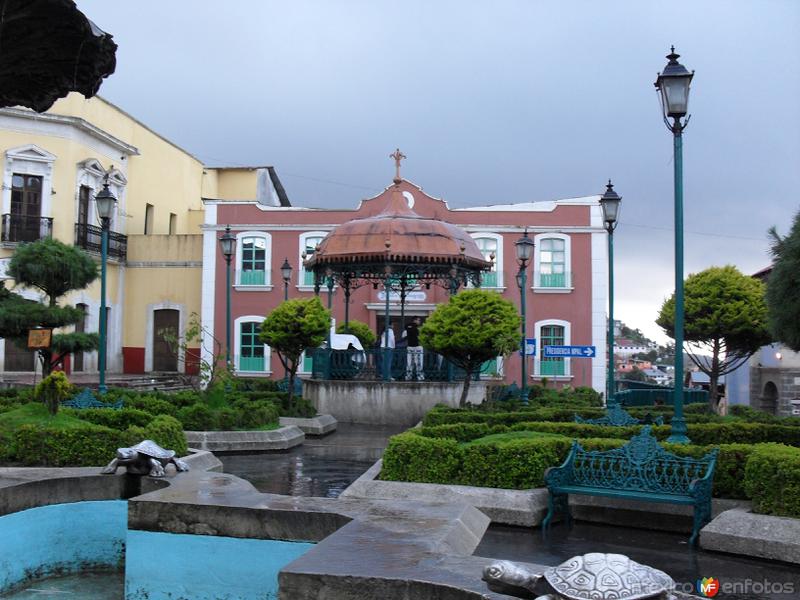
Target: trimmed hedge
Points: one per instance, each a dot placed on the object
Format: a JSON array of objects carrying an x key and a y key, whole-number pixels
[
  {"x": 115, "y": 419},
  {"x": 772, "y": 480},
  {"x": 84, "y": 446}
]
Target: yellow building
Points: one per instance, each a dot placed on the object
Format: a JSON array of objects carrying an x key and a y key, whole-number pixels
[{"x": 54, "y": 163}]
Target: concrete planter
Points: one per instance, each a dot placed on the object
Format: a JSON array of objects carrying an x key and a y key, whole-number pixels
[
  {"x": 282, "y": 438},
  {"x": 319, "y": 425},
  {"x": 739, "y": 531}
]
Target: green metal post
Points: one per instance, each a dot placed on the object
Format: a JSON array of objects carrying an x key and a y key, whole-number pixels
[
  {"x": 285, "y": 291},
  {"x": 678, "y": 435},
  {"x": 103, "y": 310},
  {"x": 523, "y": 393},
  {"x": 228, "y": 313},
  {"x": 610, "y": 388}
]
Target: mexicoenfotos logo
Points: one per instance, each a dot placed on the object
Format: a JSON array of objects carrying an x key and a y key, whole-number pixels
[{"x": 708, "y": 586}]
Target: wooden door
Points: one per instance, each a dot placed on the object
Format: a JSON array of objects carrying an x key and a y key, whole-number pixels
[
  {"x": 18, "y": 357},
  {"x": 164, "y": 357}
]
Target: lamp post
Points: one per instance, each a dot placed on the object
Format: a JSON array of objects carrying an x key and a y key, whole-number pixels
[
  {"x": 104, "y": 201},
  {"x": 286, "y": 273},
  {"x": 610, "y": 203},
  {"x": 673, "y": 87},
  {"x": 524, "y": 249},
  {"x": 227, "y": 243}
]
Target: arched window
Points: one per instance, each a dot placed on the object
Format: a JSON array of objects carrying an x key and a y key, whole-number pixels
[
  {"x": 491, "y": 244},
  {"x": 253, "y": 259},
  {"x": 308, "y": 243},
  {"x": 552, "y": 262},
  {"x": 552, "y": 332},
  {"x": 251, "y": 355}
]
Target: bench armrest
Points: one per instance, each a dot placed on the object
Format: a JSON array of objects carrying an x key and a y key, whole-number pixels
[
  {"x": 701, "y": 487},
  {"x": 558, "y": 476}
]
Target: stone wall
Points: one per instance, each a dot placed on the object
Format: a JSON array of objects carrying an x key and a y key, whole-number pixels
[
  {"x": 391, "y": 403},
  {"x": 787, "y": 386}
]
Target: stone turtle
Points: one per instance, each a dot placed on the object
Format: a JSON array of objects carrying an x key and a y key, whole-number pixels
[
  {"x": 593, "y": 576},
  {"x": 145, "y": 458}
]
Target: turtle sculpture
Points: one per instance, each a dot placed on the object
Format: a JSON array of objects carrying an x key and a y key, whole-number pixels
[
  {"x": 593, "y": 576},
  {"x": 145, "y": 458}
]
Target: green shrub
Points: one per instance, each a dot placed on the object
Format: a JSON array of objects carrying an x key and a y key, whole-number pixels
[
  {"x": 151, "y": 404},
  {"x": 197, "y": 417},
  {"x": 133, "y": 435},
  {"x": 441, "y": 417},
  {"x": 411, "y": 457},
  {"x": 772, "y": 480},
  {"x": 167, "y": 432},
  {"x": 361, "y": 330},
  {"x": 53, "y": 389},
  {"x": 253, "y": 414},
  {"x": 50, "y": 447},
  {"x": 115, "y": 419},
  {"x": 183, "y": 398},
  {"x": 226, "y": 419},
  {"x": 255, "y": 385}
]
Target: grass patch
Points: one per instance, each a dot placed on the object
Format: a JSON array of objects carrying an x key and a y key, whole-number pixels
[
  {"x": 506, "y": 438},
  {"x": 35, "y": 413}
]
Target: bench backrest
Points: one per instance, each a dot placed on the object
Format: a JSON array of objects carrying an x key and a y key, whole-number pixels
[
  {"x": 86, "y": 399},
  {"x": 639, "y": 465}
]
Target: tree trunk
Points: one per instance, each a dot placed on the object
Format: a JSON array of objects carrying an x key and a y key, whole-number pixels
[
  {"x": 465, "y": 390},
  {"x": 713, "y": 377}
]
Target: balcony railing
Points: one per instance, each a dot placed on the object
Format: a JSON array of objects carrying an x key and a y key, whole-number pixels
[
  {"x": 89, "y": 237},
  {"x": 24, "y": 228},
  {"x": 555, "y": 280},
  {"x": 554, "y": 367}
]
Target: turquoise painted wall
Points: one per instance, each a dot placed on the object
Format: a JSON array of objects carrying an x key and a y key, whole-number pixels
[
  {"x": 168, "y": 566},
  {"x": 61, "y": 538}
]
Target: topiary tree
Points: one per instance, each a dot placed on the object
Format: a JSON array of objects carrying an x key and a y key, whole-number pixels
[
  {"x": 361, "y": 330},
  {"x": 725, "y": 316},
  {"x": 291, "y": 328},
  {"x": 473, "y": 327},
  {"x": 52, "y": 390},
  {"x": 783, "y": 299},
  {"x": 55, "y": 269}
]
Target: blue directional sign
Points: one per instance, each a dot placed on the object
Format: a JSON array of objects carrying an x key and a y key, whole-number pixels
[
  {"x": 528, "y": 346},
  {"x": 568, "y": 351}
]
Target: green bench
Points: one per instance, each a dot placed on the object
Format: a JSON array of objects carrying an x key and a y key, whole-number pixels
[
  {"x": 640, "y": 470},
  {"x": 86, "y": 399},
  {"x": 619, "y": 417}
]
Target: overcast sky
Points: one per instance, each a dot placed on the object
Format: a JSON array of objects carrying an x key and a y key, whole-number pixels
[{"x": 492, "y": 102}]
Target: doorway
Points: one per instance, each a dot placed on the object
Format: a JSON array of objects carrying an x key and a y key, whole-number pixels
[{"x": 165, "y": 358}]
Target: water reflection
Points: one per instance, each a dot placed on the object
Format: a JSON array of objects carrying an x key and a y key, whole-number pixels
[{"x": 321, "y": 467}]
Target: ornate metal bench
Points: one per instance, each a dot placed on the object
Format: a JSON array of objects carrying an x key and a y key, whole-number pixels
[
  {"x": 639, "y": 470},
  {"x": 618, "y": 416},
  {"x": 86, "y": 399}
]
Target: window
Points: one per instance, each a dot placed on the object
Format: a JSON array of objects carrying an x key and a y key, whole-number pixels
[
  {"x": 552, "y": 261},
  {"x": 252, "y": 356},
  {"x": 173, "y": 223},
  {"x": 148, "y": 219},
  {"x": 491, "y": 245},
  {"x": 253, "y": 255},
  {"x": 26, "y": 209},
  {"x": 308, "y": 243},
  {"x": 552, "y": 333}
]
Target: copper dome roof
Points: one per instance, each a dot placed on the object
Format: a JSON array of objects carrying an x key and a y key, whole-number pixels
[{"x": 398, "y": 235}]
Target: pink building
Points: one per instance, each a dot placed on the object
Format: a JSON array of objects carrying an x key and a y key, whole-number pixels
[{"x": 566, "y": 292}]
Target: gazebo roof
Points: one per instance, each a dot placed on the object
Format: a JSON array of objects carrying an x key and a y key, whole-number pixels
[{"x": 398, "y": 235}]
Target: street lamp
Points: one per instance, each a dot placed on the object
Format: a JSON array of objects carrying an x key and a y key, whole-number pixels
[
  {"x": 104, "y": 201},
  {"x": 673, "y": 87},
  {"x": 227, "y": 243},
  {"x": 524, "y": 249},
  {"x": 286, "y": 273},
  {"x": 610, "y": 203}
]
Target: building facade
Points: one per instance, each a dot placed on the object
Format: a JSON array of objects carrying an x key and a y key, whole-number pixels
[
  {"x": 566, "y": 296},
  {"x": 53, "y": 165}
]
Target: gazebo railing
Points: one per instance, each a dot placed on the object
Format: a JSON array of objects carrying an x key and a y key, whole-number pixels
[{"x": 368, "y": 365}]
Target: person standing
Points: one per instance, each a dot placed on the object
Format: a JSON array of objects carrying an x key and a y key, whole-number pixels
[
  {"x": 386, "y": 348},
  {"x": 414, "y": 352}
]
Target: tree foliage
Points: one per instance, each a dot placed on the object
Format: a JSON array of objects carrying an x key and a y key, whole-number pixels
[
  {"x": 361, "y": 330},
  {"x": 725, "y": 317},
  {"x": 293, "y": 327},
  {"x": 783, "y": 287},
  {"x": 55, "y": 269},
  {"x": 473, "y": 327}
]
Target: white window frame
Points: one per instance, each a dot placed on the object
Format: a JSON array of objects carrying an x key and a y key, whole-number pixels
[
  {"x": 537, "y": 328},
  {"x": 237, "y": 347},
  {"x": 91, "y": 174},
  {"x": 301, "y": 247},
  {"x": 29, "y": 160},
  {"x": 497, "y": 267},
  {"x": 267, "y": 286},
  {"x": 537, "y": 272}
]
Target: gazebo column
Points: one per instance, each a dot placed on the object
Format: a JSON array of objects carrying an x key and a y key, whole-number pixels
[
  {"x": 346, "y": 288},
  {"x": 403, "y": 287},
  {"x": 387, "y": 367}
]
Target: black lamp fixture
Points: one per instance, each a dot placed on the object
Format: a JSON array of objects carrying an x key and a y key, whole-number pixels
[
  {"x": 104, "y": 201},
  {"x": 227, "y": 241},
  {"x": 610, "y": 202},
  {"x": 673, "y": 84},
  {"x": 524, "y": 249},
  {"x": 286, "y": 270}
]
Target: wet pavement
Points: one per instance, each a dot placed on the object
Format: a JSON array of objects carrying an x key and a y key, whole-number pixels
[
  {"x": 321, "y": 466},
  {"x": 740, "y": 578},
  {"x": 85, "y": 586}
]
